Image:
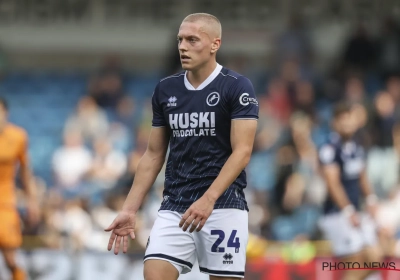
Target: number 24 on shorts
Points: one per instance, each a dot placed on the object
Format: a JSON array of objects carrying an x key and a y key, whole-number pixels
[{"x": 232, "y": 241}]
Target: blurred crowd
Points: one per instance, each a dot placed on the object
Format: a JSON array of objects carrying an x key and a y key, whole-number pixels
[{"x": 106, "y": 134}]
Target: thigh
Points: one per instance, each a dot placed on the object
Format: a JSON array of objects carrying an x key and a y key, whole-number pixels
[
  {"x": 10, "y": 229},
  {"x": 169, "y": 243},
  {"x": 344, "y": 237},
  {"x": 221, "y": 244},
  {"x": 160, "y": 269}
]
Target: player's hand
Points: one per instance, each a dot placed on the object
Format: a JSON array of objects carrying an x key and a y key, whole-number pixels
[
  {"x": 355, "y": 220},
  {"x": 350, "y": 213},
  {"x": 122, "y": 226},
  {"x": 33, "y": 213},
  {"x": 197, "y": 214}
]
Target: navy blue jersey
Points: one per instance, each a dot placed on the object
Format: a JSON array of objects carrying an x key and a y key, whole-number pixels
[
  {"x": 350, "y": 158},
  {"x": 199, "y": 125}
]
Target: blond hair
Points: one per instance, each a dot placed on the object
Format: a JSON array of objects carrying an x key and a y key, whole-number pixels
[{"x": 211, "y": 21}]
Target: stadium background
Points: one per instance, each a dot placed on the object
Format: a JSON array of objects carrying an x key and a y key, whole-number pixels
[{"x": 79, "y": 74}]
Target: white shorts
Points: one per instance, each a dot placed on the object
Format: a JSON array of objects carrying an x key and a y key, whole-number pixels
[
  {"x": 219, "y": 248},
  {"x": 344, "y": 237}
]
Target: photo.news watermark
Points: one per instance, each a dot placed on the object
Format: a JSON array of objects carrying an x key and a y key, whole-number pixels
[{"x": 335, "y": 266}]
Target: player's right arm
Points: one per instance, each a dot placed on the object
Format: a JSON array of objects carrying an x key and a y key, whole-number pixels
[
  {"x": 331, "y": 173},
  {"x": 148, "y": 168}
]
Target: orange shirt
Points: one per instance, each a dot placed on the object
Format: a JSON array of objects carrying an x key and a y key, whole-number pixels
[{"x": 13, "y": 152}]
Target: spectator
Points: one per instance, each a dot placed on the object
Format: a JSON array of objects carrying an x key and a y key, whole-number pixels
[
  {"x": 125, "y": 113},
  {"x": 110, "y": 91},
  {"x": 278, "y": 102},
  {"x": 393, "y": 88},
  {"x": 307, "y": 161},
  {"x": 121, "y": 137},
  {"x": 74, "y": 222},
  {"x": 88, "y": 119},
  {"x": 355, "y": 93},
  {"x": 295, "y": 42},
  {"x": 389, "y": 49},
  {"x": 71, "y": 162},
  {"x": 354, "y": 90},
  {"x": 304, "y": 99},
  {"x": 383, "y": 120},
  {"x": 383, "y": 166},
  {"x": 49, "y": 230},
  {"x": 108, "y": 165},
  {"x": 360, "y": 50},
  {"x": 299, "y": 189},
  {"x": 125, "y": 121},
  {"x": 112, "y": 65}
]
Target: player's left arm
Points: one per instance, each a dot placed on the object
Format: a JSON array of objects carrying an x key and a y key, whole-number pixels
[
  {"x": 244, "y": 115},
  {"x": 370, "y": 198},
  {"x": 242, "y": 138},
  {"x": 28, "y": 183}
]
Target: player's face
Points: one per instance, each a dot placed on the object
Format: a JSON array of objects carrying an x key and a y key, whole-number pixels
[
  {"x": 346, "y": 124},
  {"x": 194, "y": 45}
]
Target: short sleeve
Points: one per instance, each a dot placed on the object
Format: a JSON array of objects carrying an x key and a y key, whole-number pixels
[
  {"x": 158, "y": 116},
  {"x": 244, "y": 104},
  {"x": 327, "y": 154}
]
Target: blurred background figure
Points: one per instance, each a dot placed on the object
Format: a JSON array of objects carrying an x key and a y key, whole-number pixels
[
  {"x": 14, "y": 157},
  {"x": 79, "y": 77},
  {"x": 89, "y": 120},
  {"x": 71, "y": 162}
]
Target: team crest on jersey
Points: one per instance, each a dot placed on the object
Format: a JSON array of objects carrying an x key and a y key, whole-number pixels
[
  {"x": 212, "y": 98},
  {"x": 348, "y": 149},
  {"x": 172, "y": 101}
]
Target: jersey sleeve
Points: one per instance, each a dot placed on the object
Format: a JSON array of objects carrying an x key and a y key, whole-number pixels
[
  {"x": 158, "y": 115},
  {"x": 23, "y": 157},
  {"x": 244, "y": 104},
  {"x": 327, "y": 155}
]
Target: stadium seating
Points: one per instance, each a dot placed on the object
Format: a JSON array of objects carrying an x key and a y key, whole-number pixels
[{"x": 41, "y": 102}]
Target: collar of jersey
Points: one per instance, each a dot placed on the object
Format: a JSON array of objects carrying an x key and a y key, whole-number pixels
[{"x": 206, "y": 82}]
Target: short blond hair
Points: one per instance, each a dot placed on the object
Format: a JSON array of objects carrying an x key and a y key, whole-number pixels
[{"x": 211, "y": 21}]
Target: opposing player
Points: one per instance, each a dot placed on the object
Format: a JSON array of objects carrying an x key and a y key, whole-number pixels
[
  {"x": 13, "y": 153},
  {"x": 351, "y": 231},
  {"x": 208, "y": 116}
]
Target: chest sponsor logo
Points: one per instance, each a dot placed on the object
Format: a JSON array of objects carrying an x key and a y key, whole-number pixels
[{"x": 192, "y": 124}]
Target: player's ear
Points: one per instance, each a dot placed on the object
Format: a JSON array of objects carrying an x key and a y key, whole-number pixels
[{"x": 215, "y": 45}]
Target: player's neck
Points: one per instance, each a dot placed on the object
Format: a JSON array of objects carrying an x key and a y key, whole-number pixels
[
  {"x": 346, "y": 138},
  {"x": 197, "y": 77}
]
